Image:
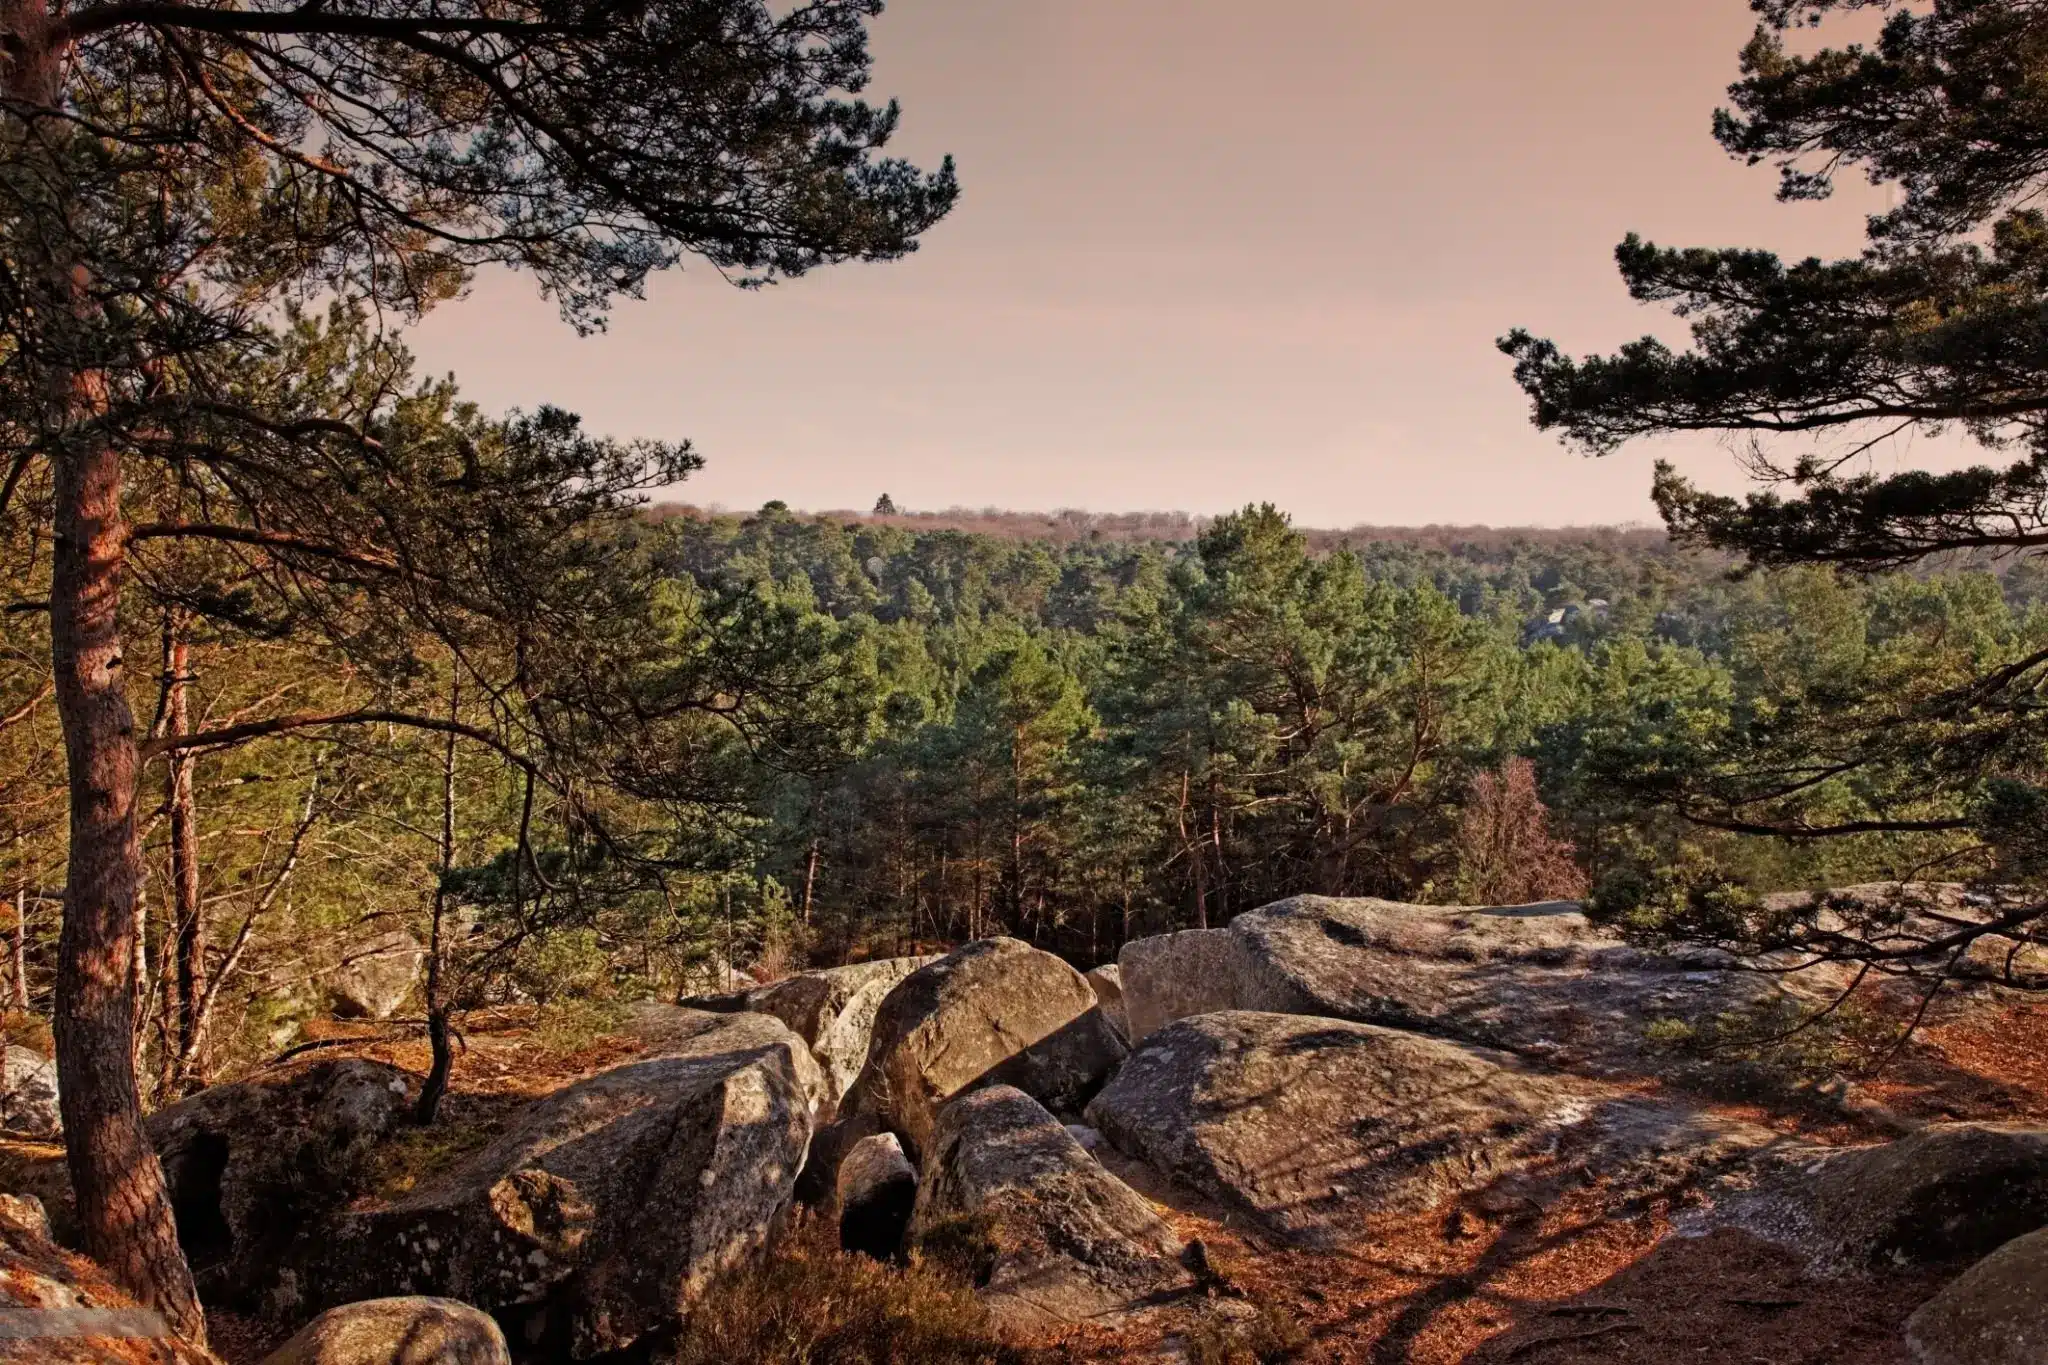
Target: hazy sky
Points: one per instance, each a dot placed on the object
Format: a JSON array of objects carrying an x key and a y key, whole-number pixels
[{"x": 1208, "y": 253}]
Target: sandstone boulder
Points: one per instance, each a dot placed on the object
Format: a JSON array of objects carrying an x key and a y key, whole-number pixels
[
  {"x": 1311, "y": 1125},
  {"x": 35, "y": 1171},
  {"x": 834, "y": 1011},
  {"x": 1996, "y": 1313},
  {"x": 376, "y": 977},
  {"x": 1109, "y": 994},
  {"x": 397, "y": 1332},
  {"x": 1951, "y": 1193},
  {"x": 606, "y": 1208},
  {"x": 877, "y": 1191},
  {"x": 1541, "y": 981},
  {"x": 1173, "y": 976},
  {"x": 61, "y": 1309},
  {"x": 1066, "y": 1241},
  {"x": 253, "y": 1165},
  {"x": 28, "y": 1095},
  {"x": 677, "y": 1031},
  {"x": 996, "y": 1012}
]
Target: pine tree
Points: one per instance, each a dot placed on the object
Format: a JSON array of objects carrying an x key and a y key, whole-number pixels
[{"x": 169, "y": 170}]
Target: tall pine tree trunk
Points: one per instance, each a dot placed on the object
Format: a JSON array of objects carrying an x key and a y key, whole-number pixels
[
  {"x": 122, "y": 1208},
  {"x": 21, "y": 950},
  {"x": 188, "y": 953},
  {"x": 428, "y": 1106}
]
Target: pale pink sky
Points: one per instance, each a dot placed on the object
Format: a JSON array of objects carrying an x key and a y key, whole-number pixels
[{"x": 1208, "y": 253}]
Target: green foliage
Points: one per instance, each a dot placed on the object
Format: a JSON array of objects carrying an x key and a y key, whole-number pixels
[
  {"x": 1895, "y": 722},
  {"x": 1937, "y": 323},
  {"x": 775, "y": 760}
]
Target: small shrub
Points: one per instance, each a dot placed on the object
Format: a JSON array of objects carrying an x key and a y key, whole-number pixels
[
  {"x": 1506, "y": 852},
  {"x": 564, "y": 963},
  {"x": 1669, "y": 1032},
  {"x": 1272, "y": 1336},
  {"x": 812, "y": 1304},
  {"x": 962, "y": 1247},
  {"x": 571, "y": 1023}
]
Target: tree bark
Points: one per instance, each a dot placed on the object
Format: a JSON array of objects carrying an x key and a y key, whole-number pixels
[
  {"x": 429, "y": 1103},
  {"x": 122, "y": 1208},
  {"x": 1198, "y": 863},
  {"x": 810, "y": 879},
  {"x": 21, "y": 1001},
  {"x": 187, "y": 918}
]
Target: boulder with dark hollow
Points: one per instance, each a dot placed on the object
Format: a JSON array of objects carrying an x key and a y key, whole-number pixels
[
  {"x": 996, "y": 1012},
  {"x": 1064, "y": 1240},
  {"x": 877, "y": 1190},
  {"x": 253, "y": 1166},
  {"x": 606, "y": 1209}
]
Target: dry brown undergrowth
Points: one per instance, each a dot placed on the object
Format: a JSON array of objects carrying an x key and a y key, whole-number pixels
[{"x": 812, "y": 1304}]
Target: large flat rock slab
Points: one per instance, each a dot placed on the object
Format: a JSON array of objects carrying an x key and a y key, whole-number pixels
[
  {"x": 1314, "y": 1125},
  {"x": 1068, "y": 1243},
  {"x": 1541, "y": 981}
]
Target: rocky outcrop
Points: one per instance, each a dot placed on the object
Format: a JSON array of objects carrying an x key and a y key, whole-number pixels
[
  {"x": 877, "y": 1191},
  {"x": 28, "y": 1095},
  {"x": 397, "y": 1332},
  {"x": 1539, "y": 980},
  {"x": 1308, "y": 1124},
  {"x": 604, "y": 1211},
  {"x": 1996, "y": 1313},
  {"x": 250, "y": 1166},
  {"x": 996, "y": 1012},
  {"x": 1065, "y": 1241},
  {"x": 1109, "y": 994},
  {"x": 834, "y": 1011},
  {"x": 676, "y": 1031},
  {"x": 377, "y": 977},
  {"x": 61, "y": 1309},
  {"x": 1949, "y": 1194},
  {"x": 1311, "y": 1125}
]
